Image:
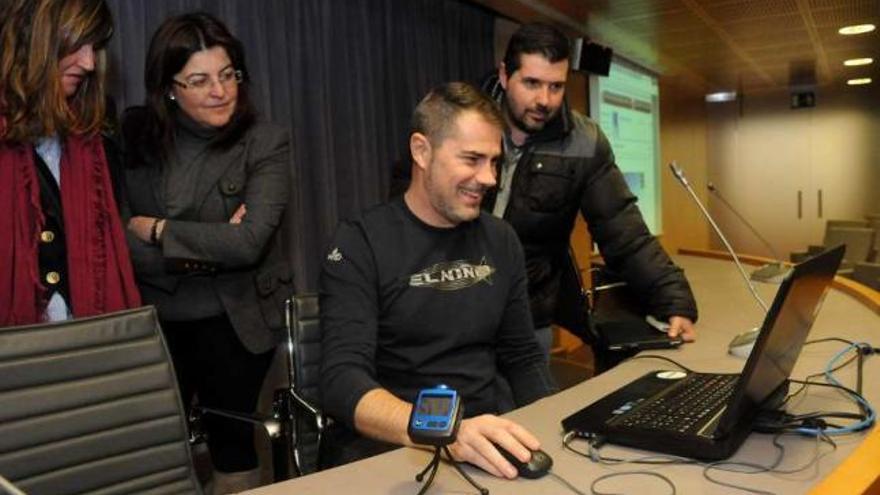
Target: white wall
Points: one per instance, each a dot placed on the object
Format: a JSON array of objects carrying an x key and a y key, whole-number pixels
[{"x": 761, "y": 153}]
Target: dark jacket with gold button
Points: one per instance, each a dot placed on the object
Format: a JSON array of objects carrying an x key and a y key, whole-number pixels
[
  {"x": 567, "y": 168},
  {"x": 243, "y": 264},
  {"x": 52, "y": 252}
]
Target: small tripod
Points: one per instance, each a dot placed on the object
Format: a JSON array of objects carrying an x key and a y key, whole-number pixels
[{"x": 435, "y": 463}]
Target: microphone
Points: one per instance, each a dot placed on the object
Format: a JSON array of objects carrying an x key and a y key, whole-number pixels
[
  {"x": 772, "y": 273},
  {"x": 742, "y": 344}
]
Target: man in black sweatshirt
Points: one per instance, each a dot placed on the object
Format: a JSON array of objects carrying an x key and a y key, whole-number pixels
[{"x": 428, "y": 290}]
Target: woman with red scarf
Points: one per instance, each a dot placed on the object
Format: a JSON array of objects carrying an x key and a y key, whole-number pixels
[{"x": 63, "y": 252}]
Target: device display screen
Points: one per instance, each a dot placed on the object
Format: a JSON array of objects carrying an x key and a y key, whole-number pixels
[{"x": 435, "y": 405}]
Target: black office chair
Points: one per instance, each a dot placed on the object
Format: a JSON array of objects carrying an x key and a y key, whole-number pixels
[
  {"x": 295, "y": 424},
  {"x": 859, "y": 241},
  {"x": 590, "y": 312},
  {"x": 272, "y": 425},
  {"x": 91, "y": 405},
  {"x": 300, "y": 400},
  {"x": 867, "y": 274}
]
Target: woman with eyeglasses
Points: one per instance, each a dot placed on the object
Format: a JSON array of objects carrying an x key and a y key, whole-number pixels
[
  {"x": 62, "y": 243},
  {"x": 207, "y": 185}
]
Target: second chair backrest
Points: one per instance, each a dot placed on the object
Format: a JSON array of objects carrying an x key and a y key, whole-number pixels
[
  {"x": 304, "y": 366},
  {"x": 306, "y": 339},
  {"x": 859, "y": 241},
  {"x": 867, "y": 274},
  {"x": 835, "y": 224}
]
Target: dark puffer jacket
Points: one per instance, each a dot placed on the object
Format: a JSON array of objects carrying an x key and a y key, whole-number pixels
[{"x": 566, "y": 167}]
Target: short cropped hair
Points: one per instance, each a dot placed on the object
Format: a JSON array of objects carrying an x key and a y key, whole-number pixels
[
  {"x": 536, "y": 37},
  {"x": 437, "y": 111}
]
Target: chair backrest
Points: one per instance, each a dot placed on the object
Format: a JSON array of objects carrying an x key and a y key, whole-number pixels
[
  {"x": 304, "y": 366},
  {"x": 867, "y": 274},
  {"x": 859, "y": 241},
  {"x": 590, "y": 311},
  {"x": 572, "y": 304},
  {"x": 875, "y": 251},
  {"x": 91, "y": 406},
  {"x": 835, "y": 224},
  {"x": 306, "y": 335}
]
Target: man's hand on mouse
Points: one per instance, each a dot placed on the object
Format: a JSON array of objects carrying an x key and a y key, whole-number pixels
[
  {"x": 474, "y": 444},
  {"x": 679, "y": 326}
]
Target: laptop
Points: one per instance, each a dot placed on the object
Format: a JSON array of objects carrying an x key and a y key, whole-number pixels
[{"x": 709, "y": 415}]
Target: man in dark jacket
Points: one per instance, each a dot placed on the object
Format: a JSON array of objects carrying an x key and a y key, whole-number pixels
[{"x": 558, "y": 162}]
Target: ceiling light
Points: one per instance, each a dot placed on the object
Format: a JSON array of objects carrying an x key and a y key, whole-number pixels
[
  {"x": 721, "y": 96},
  {"x": 857, "y": 29},
  {"x": 859, "y": 81},
  {"x": 858, "y": 61}
]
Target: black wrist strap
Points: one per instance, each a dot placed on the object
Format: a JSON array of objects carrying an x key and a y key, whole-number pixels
[{"x": 154, "y": 232}]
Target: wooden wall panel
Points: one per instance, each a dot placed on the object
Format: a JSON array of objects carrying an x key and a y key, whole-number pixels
[{"x": 682, "y": 138}]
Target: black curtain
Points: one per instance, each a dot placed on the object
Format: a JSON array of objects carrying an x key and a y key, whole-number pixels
[{"x": 343, "y": 75}]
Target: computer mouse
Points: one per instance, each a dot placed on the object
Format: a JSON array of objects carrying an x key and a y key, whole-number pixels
[
  {"x": 741, "y": 345},
  {"x": 538, "y": 465}
]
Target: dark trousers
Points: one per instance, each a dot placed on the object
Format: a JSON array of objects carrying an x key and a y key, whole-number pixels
[{"x": 213, "y": 365}]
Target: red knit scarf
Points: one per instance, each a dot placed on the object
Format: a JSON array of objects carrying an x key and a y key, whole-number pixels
[{"x": 100, "y": 276}]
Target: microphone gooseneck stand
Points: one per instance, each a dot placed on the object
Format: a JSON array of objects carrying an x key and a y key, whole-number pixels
[
  {"x": 679, "y": 174},
  {"x": 772, "y": 273},
  {"x": 743, "y": 343}
]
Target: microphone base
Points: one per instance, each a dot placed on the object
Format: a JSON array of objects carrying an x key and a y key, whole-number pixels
[
  {"x": 741, "y": 345},
  {"x": 771, "y": 273}
]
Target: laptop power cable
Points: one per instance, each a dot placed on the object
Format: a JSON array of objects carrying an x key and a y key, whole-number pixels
[{"x": 815, "y": 423}]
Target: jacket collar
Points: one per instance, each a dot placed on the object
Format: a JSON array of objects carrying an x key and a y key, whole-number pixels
[{"x": 557, "y": 128}]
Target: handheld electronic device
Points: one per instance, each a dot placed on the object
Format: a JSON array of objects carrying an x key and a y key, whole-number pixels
[
  {"x": 539, "y": 464},
  {"x": 435, "y": 416},
  {"x": 661, "y": 326},
  {"x": 636, "y": 335}
]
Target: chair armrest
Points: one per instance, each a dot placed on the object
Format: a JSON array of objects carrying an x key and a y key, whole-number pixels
[
  {"x": 321, "y": 421},
  {"x": 602, "y": 288},
  {"x": 7, "y": 487},
  {"x": 269, "y": 424}
]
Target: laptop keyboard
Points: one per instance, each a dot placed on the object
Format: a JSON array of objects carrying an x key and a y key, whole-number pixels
[{"x": 683, "y": 409}]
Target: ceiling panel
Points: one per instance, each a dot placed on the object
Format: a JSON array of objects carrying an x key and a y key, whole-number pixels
[
  {"x": 747, "y": 10},
  {"x": 766, "y": 27},
  {"x": 621, "y": 9},
  {"x": 733, "y": 43}
]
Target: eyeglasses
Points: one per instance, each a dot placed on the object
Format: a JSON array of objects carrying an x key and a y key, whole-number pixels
[{"x": 204, "y": 82}]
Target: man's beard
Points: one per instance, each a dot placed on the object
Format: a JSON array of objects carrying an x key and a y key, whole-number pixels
[
  {"x": 446, "y": 206},
  {"x": 522, "y": 125}
]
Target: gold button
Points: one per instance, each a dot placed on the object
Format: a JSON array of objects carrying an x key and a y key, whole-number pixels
[
  {"x": 53, "y": 277},
  {"x": 47, "y": 236}
]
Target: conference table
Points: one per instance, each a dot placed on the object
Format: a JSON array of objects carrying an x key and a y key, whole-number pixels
[{"x": 726, "y": 308}]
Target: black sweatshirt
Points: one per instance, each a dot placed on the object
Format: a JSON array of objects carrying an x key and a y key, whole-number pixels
[{"x": 407, "y": 306}]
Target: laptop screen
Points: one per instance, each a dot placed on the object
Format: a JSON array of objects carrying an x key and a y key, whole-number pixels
[{"x": 783, "y": 334}]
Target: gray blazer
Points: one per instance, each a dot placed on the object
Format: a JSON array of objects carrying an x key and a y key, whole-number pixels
[{"x": 244, "y": 262}]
